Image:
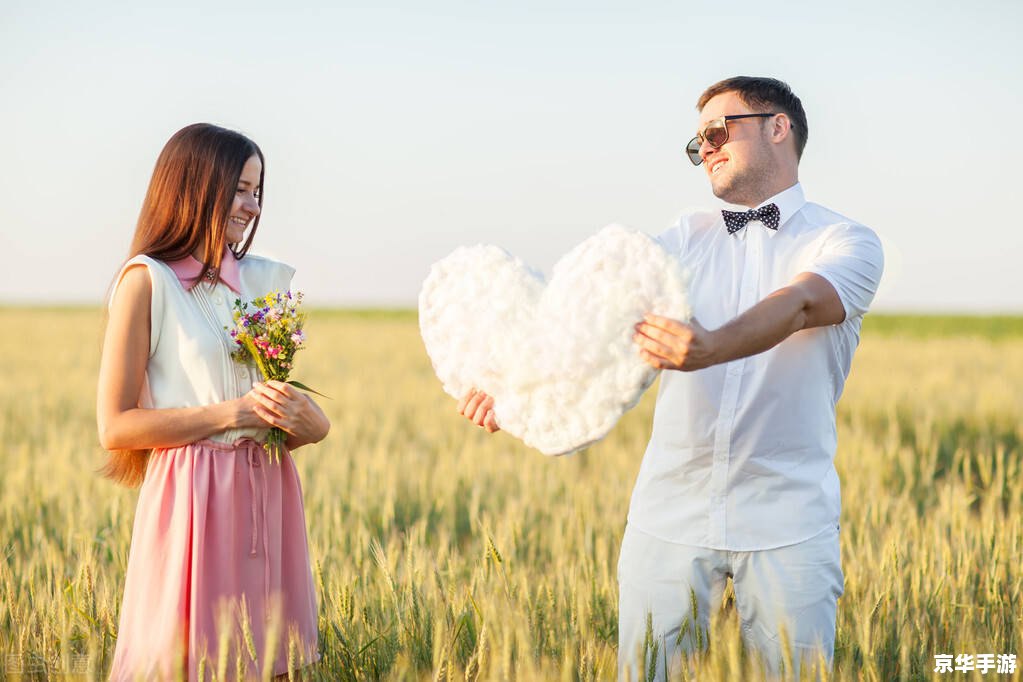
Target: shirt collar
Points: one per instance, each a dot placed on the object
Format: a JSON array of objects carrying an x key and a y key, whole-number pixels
[
  {"x": 189, "y": 271},
  {"x": 788, "y": 201}
]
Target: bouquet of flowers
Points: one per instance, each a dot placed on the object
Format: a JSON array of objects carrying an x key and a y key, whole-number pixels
[{"x": 268, "y": 331}]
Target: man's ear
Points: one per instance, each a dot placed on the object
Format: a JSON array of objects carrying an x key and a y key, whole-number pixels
[{"x": 781, "y": 128}]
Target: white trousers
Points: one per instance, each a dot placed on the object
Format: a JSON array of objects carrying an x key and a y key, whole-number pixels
[{"x": 793, "y": 588}]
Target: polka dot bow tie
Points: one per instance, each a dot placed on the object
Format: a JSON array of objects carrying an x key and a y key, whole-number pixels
[{"x": 769, "y": 215}]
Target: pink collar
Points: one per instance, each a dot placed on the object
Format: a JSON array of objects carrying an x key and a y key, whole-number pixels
[{"x": 189, "y": 270}]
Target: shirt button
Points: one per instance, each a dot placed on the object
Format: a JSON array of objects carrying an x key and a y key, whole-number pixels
[{"x": 243, "y": 374}]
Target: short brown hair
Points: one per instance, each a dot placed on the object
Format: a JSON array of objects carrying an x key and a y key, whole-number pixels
[{"x": 763, "y": 95}]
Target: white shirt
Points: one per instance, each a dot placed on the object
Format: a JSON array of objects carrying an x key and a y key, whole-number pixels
[
  {"x": 190, "y": 347},
  {"x": 741, "y": 456}
]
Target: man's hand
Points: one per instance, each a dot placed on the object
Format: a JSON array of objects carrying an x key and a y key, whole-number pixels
[
  {"x": 669, "y": 344},
  {"x": 478, "y": 407},
  {"x": 808, "y": 301}
]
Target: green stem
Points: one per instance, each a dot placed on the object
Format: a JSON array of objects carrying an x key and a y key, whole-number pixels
[{"x": 254, "y": 352}]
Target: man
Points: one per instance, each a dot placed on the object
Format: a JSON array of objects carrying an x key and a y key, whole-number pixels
[{"x": 738, "y": 478}]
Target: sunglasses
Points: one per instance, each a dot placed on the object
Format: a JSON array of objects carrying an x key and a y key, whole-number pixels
[{"x": 715, "y": 134}]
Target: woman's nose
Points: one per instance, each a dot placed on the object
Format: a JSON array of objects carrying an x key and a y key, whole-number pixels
[{"x": 252, "y": 205}]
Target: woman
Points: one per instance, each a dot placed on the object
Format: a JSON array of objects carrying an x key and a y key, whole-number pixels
[{"x": 218, "y": 573}]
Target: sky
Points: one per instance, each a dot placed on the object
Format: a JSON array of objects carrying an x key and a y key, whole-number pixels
[{"x": 396, "y": 132}]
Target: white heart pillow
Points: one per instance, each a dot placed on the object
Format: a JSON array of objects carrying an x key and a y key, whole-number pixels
[{"x": 557, "y": 357}]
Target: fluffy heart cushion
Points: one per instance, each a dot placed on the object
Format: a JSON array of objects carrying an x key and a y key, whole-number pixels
[{"x": 558, "y": 357}]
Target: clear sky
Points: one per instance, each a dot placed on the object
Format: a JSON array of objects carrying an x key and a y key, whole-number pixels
[{"x": 395, "y": 132}]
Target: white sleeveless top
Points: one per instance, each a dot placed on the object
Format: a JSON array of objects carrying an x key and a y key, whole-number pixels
[{"x": 190, "y": 348}]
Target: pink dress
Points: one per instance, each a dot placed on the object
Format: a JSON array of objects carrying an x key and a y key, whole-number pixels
[{"x": 218, "y": 578}]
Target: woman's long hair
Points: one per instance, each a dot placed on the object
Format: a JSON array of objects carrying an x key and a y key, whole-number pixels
[{"x": 186, "y": 210}]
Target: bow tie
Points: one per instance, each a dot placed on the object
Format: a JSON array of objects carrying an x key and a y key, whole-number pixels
[{"x": 769, "y": 215}]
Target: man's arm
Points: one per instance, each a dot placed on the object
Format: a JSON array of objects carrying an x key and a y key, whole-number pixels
[{"x": 809, "y": 301}]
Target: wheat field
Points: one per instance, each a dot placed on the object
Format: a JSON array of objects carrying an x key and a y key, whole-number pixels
[{"x": 440, "y": 552}]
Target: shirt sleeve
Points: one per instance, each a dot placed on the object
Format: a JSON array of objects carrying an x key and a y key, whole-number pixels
[
  {"x": 852, "y": 260},
  {"x": 673, "y": 238},
  {"x": 261, "y": 275},
  {"x": 280, "y": 276},
  {"x": 156, "y": 299}
]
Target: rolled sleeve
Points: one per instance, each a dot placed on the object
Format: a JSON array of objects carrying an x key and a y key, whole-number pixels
[{"x": 852, "y": 260}]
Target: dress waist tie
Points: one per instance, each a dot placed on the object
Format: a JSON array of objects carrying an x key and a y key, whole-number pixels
[{"x": 252, "y": 454}]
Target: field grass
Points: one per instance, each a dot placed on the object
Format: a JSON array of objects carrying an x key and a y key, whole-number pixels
[
  {"x": 443, "y": 553},
  {"x": 926, "y": 326}
]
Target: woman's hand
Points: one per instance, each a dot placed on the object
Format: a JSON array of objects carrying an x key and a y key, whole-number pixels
[
  {"x": 242, "y": 413},
  {"x": 284, "y": 406},
  {"x": 478, "y": 407}
]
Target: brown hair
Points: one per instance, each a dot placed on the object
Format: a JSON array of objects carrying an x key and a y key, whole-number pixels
[
  {"x": 186, "y": 209},
  {"x": 763, "y": 95}
]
